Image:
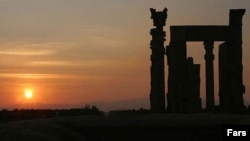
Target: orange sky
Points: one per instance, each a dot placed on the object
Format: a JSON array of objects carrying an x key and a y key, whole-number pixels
[{"x": 75, "y": 51}]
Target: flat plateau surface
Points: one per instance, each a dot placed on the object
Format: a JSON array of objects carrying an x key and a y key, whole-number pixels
[{"x": 190, "y": 127}]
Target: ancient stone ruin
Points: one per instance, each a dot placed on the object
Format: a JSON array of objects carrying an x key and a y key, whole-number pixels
[{"x": 184, "y": 76}]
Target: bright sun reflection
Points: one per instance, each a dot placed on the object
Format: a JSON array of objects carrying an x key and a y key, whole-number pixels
[{"x": 28, "y": 94}]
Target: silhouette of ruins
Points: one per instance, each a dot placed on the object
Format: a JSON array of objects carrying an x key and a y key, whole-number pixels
[{"x": 184, "y": 76}]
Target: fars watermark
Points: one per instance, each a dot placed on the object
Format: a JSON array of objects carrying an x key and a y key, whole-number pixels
[{"x": 236, "y": 132}]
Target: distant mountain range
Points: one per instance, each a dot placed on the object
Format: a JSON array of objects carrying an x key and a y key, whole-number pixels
[
  {"x": 123, "y": 104},
  {"x": 38, "y": 106},
  {"x": 104, "y": 106}
]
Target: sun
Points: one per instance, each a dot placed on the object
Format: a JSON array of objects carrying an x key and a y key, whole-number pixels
[{"x": 28, "y": 94}]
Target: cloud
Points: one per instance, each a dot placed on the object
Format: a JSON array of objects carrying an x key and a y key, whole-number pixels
[
  {"x": 25, "y": 53},
  {"x": 38, "y": 76},
  {"x": 53, "y": 63}
]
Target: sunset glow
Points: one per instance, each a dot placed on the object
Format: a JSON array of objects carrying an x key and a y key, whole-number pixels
[{"x": 61, "y": 52}]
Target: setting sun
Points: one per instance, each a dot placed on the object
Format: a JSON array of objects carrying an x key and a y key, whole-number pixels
[{"x": 28, "y": 94}]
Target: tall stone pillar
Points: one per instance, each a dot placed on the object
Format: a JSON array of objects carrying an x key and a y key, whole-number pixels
[
  {"x": 231, "y": 67},
  {"x": 157, "y": 93},
  {"x": 237, "y": 88},
  {"x": 209, "y": 58},
  {"x": 176, "y": 59},
  {"x": 224, "y": 92}
]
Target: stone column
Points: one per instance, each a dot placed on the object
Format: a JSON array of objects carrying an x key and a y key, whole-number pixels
[
  {"x": 157, "y": 92},
  {"x": 209, "y": 58},
  {"x": 234, "y": 57}
]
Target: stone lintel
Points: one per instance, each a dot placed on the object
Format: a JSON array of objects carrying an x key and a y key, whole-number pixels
[{"x": 199, "y": 33}]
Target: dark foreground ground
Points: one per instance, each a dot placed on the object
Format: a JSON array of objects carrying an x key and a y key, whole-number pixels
[{"x": 203, "y": 127}]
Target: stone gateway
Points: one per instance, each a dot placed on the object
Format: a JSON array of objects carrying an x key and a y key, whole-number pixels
[{"x": 183, "y": 94}]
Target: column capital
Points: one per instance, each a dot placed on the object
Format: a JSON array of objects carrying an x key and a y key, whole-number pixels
[{"x": 208, "y": 44}]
